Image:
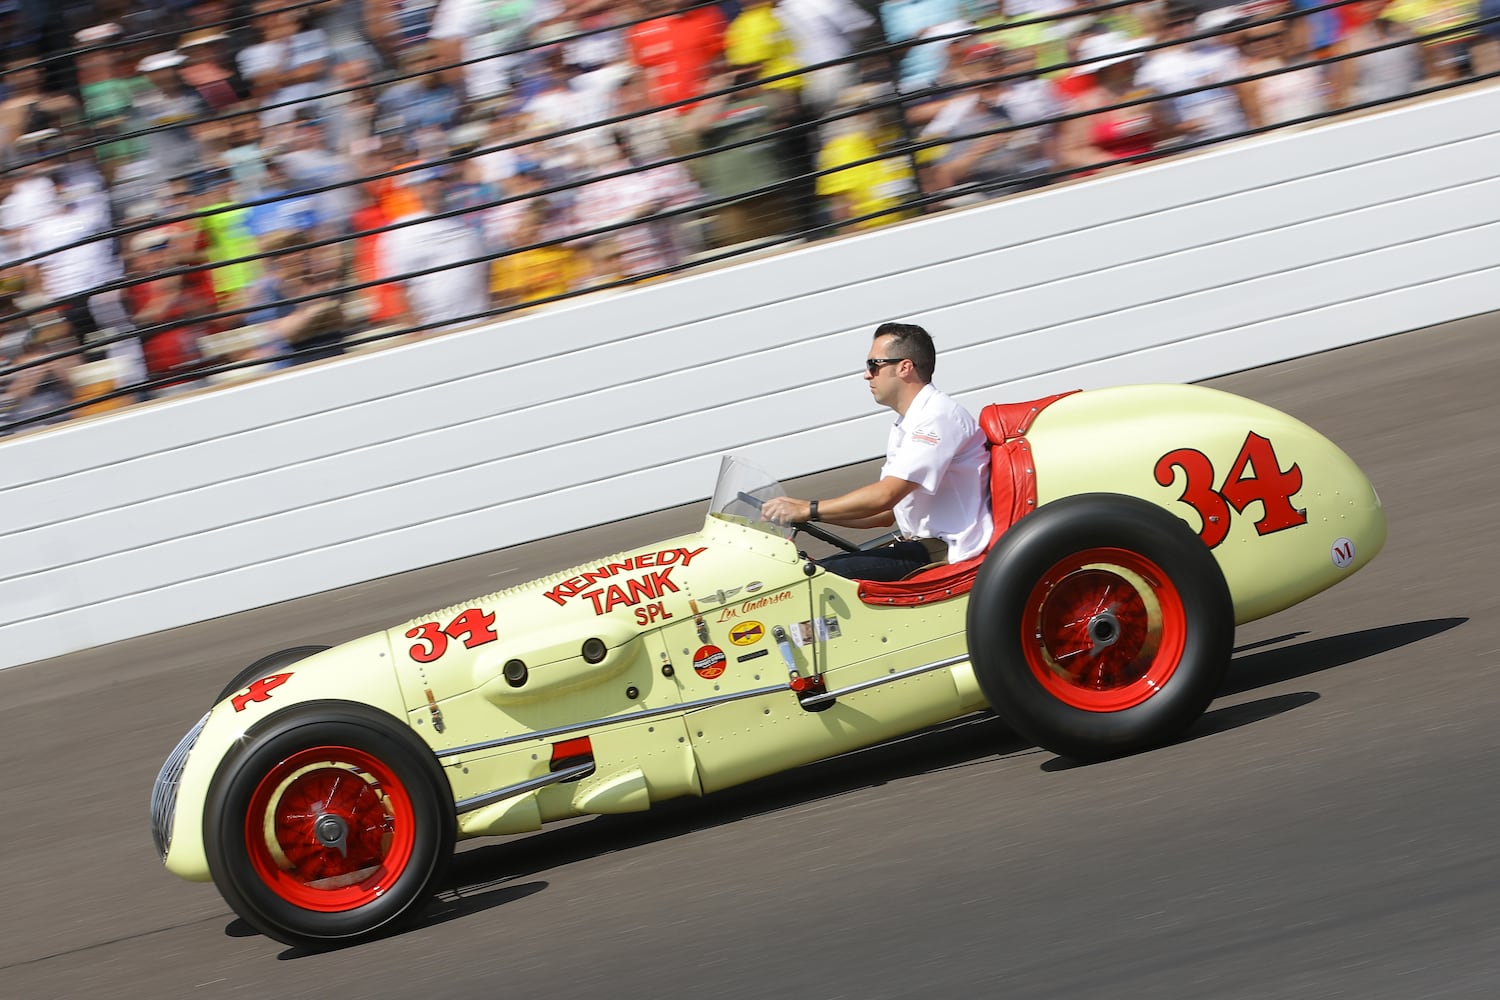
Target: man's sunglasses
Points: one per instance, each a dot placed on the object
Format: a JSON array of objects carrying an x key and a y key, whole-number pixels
[{"x": 873, "y": 365}]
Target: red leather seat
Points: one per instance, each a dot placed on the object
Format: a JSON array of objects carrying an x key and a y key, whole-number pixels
[{"x": 1012, "y": 497}]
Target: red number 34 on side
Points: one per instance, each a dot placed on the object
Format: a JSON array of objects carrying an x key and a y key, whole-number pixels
[
  {"x": 1255, "y": 475},
  {"x": 475, "y": 627}
]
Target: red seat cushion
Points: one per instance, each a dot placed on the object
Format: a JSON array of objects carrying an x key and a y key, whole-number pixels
[{"x": 1012, "y": 497}]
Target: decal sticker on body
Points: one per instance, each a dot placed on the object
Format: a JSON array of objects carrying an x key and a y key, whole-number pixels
[
  {"x": 747, "y": 633},
  {"x": 709, "y": 662},
  {"x": 627, "y": 592},
  {"x": 821, "y": 629},
  {"x": 260, "y": 690},
  {"x": 474, "y": 626},
  {"x": 1255, "y": 475},
  {"x": 751, "y": 607}
]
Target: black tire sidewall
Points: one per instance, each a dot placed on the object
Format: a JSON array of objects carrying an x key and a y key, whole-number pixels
[
  {"x": 1032, "y": 547},
  {"x": 327, "y": 724}
]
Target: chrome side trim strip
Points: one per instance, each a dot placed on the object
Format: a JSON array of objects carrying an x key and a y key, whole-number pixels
[
  {"x": 647, "y": 713},
  {"x": 510, "y": 791},
  {"x": 702, "y": 703},
  {"x": 818, "y": 699}
]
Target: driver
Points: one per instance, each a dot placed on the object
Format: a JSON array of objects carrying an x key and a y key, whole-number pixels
[{"x": 934, "y": 486}]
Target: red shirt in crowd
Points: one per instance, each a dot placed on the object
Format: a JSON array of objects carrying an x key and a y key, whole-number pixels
[
  {"x": 676, "y": 51},
  {"x": 387, "y": 301},
  {"x": 181, "y": 299}
]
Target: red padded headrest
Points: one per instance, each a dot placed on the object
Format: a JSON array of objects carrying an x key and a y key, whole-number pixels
[{"x": 1003, "y": 421}]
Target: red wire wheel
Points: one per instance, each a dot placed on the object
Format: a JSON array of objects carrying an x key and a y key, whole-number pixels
[
  {"x": 329, "y": 823},
  {"x": 1108, "y": 629},
  {"x": 1099, "y": 626},
  {"x": 330, "y": 829}
]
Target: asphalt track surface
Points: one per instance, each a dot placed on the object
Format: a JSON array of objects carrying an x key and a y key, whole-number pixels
[{"x": 1328, "y": 829}]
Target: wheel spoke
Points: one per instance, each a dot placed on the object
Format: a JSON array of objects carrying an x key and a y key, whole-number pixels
[
  {"x": 1103, "y": 598},
  {"x": 1108, "y": 634},
  {"x": 366, "y": 848}
]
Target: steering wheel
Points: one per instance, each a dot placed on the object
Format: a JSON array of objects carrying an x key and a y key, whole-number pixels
[{"x": 819, "y": 532}]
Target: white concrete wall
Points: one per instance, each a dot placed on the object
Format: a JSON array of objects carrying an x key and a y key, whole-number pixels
[{"x": 610, "y": 407}]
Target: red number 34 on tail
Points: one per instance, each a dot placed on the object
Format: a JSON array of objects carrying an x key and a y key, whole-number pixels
[{"x": 1255, "y": 475}]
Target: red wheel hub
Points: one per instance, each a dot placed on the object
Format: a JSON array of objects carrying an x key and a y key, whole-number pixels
[
  {"x": 330, "y": 829},
  {"x": 1105, "y": 630}
]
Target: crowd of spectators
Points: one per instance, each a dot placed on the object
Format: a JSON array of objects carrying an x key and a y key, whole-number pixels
[{"x": 528, "y": 149}]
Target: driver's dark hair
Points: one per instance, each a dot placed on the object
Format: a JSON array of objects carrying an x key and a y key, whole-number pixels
[{"x": 908, "y": 340}]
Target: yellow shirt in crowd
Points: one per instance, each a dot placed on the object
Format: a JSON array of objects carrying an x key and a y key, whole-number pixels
[
  {"x": 531, "y": 275},
  {"x": 1425, "y": 16},
  {"x": 757, "y": 37},
  {"x": 870, "y": 187}
]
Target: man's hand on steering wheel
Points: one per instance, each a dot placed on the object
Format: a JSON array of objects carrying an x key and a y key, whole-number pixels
[
  {"x": 786, "y": 510},
  {"x": 798, "y": 514}
]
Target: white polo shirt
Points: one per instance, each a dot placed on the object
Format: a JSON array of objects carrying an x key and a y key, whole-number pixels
[{"x": 937, "y": 445}]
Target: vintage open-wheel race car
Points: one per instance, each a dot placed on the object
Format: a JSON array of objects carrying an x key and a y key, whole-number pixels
[{"x": 324, "y": 791}]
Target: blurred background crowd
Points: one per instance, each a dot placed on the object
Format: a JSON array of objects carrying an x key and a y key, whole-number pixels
[{"x": 193, "y": 191}]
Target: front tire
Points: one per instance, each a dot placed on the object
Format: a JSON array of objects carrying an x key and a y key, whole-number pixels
[
  {"x": 329, "y": 824},
  {"x": 1100, "y": 626}
]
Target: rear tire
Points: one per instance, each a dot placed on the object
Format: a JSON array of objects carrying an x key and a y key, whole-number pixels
[
  {"x": 330, "y": 823},
  {"x": 1100, "y": 626}
]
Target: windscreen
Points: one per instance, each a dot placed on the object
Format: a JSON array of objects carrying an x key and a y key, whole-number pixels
[{"x": 739, "y": 493}]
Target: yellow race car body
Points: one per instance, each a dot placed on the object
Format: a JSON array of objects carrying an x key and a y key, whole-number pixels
[{"x": 708, "y": 660}]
